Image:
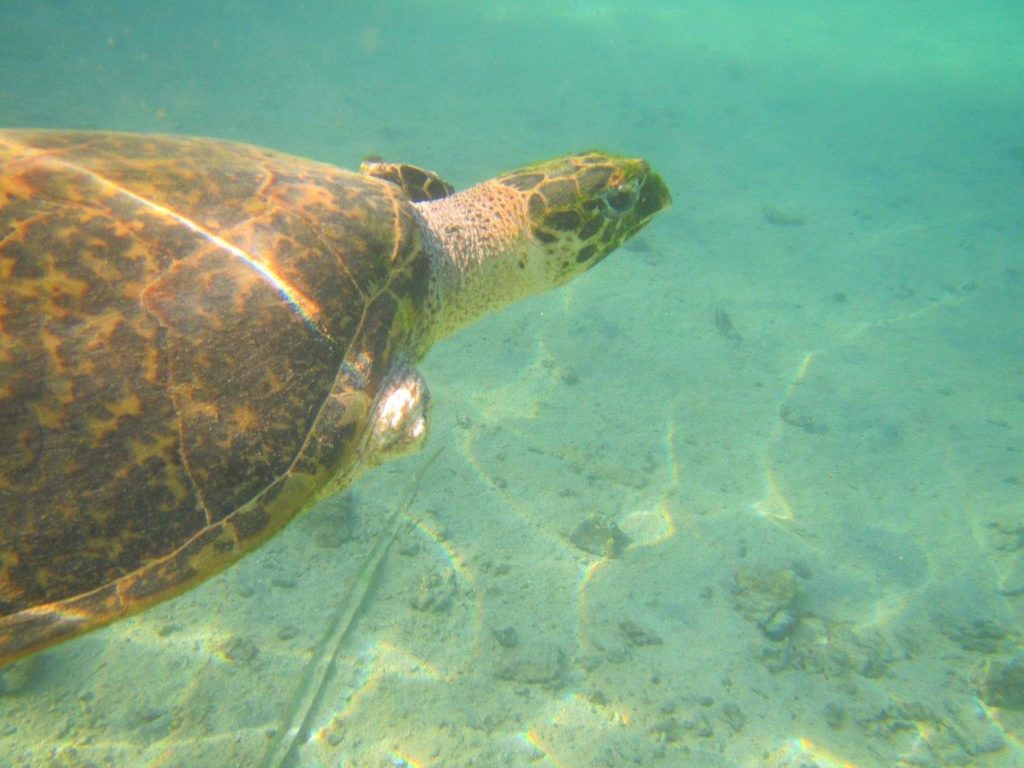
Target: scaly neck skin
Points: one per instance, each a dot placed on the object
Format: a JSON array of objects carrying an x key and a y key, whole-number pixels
[{"x": 477, "y": 240}]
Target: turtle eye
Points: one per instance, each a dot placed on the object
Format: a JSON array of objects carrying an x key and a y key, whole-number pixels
[{"x": 618, "y": 201}]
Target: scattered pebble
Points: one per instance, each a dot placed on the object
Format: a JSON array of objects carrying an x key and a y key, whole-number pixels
[
  {"x": 1012, "y": 584},
  {"x": 1001, "y": 682},
  {"x": 835, "y": 715},
  {"x": 239, "y": 649},
  {"x": 780, "y": 626},
  {"x": 599, "y": 536},
  {"x": 979, "y": 634},
  {"x": 149, "y": 714},
  {"x": 733, "y": 716},
  {"x": 436, "y": 593},
  {"x": 542, "y": 663},
  {"x": 507, "y": 637},
  {"x": 799, "y": 417},
  {"x": 725, "y": 326},
  {"x": 779, "y": 218},
  {"x": 637, "y": 634},
  {"x": 168, "y": 629},
  {"x": 766, "y": 596}
]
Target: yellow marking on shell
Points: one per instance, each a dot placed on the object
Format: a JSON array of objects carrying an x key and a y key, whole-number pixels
[
  {"x": 50, "y": 293},
  {"x": 51, "y": 413},
  {"x": 17, "y": 233},
  {"x": 102, "y": 326},
  {"x": 122, "y": 229},
  {"x": 396, "y": 216},
  {"x": 58, "y": 284},
  {"x": 105, "y": 269},
  {"x": 307, "y": 195},
  {"x": 9, "y": 588},
  {"x": 160, "y": 448},
  {"x": 43, "y": 577},
  {"x": 112, "y": 547},
  {"x": 151, "y": 363},
  {"x": 245, "y": 418},
  {"x": 6, "y": 354},
  {"x": 16, "y": 186},
  {"x": 129, "y": 405}
]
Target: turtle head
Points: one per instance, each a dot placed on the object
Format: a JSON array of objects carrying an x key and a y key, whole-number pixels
[
  {"x": 531, "y": 230},
  {"x": 582, "y": 207}
]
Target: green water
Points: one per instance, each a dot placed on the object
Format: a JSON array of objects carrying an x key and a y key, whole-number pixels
[{"x": 799, "y": 393}]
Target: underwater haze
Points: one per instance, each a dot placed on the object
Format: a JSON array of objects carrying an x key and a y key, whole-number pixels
[{"x": 749, "y": 494}]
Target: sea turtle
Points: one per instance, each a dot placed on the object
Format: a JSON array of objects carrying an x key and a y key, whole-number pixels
[{"x": 199, "y": 338}]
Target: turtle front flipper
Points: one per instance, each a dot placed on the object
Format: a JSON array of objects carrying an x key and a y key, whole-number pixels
[
  {"x": 398, "y": 422},
  {"x": 416, "y": 184}
]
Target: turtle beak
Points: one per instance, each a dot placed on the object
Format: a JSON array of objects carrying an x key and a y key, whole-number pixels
[{"x": 654, "y": 195}]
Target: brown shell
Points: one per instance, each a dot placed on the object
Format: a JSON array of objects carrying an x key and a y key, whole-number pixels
[{"x": 191, "y": 332}]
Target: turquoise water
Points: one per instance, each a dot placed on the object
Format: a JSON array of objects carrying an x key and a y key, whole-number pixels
[{"x": 799, "y": 393}]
